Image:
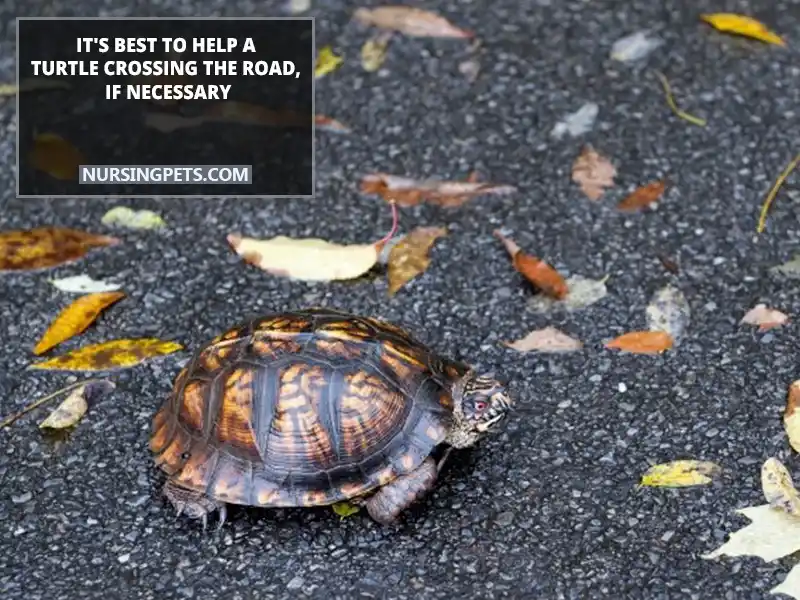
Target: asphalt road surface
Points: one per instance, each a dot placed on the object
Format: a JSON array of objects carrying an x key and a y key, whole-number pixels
[{"x": 549, "y": 508}]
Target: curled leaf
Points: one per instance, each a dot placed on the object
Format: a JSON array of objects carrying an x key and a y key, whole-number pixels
[
  {"x": 669, "y": 311},
  {"x": 679, "y": 473},
  {"x": 778, "y": 488},
  {"x": 742, "y": 25},
  {"x": 409, "y": 257},
  {"x": 643, "y": 197},
  {"x": 327, "y": 62},
  {"x": 593, "y": 173},
  {"x": 642, "y": 342},
  {"x": 791, "y": 416},
  {"x": 105, "y": 356},
  {"x": 536, "y": 271},
  {"x": 548, "y": 339},
  {"x": 409, "y": 192},
  {"x": 577, "y": 123},
  {"x": 55, "y": 156},
  {"x": 75, "y": 319},
  {"x": 765, "y": 318},
  {"x": 411, "y": 21},
  {"x": 373, "y": 52},
  {"x": 46, "y": 247},
  {"x": 72, "y": 409},
  {"x": 133, "y": 219},
  {"x": 308, "y": 259},
  {"x": 83, "y": 284}
]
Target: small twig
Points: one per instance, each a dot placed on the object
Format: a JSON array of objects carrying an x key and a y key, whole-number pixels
[
  {"x": 395, "y": 223},
  {"x": 671, "y": 101},
  {"x": 37, "y": 403},
  {"x": 762, "y": 220}
]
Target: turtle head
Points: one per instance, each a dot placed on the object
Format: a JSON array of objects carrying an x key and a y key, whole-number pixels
[{"x": 480, "y": 402}]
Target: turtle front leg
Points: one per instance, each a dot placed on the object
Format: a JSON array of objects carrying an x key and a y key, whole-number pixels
[
  {"x": 393, "y": 498},
  {"x": 194, "y": 505}
]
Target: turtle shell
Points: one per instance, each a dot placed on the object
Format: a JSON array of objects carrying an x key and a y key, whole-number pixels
[{"x": 304, "y": 409}]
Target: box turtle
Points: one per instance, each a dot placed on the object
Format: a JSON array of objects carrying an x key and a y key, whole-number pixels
[{"x": 314, "y": 407}]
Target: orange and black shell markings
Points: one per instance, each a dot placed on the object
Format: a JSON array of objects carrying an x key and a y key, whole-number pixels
[{"x": 303, "y": 409}]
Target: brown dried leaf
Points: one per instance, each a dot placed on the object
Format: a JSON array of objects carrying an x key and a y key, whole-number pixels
[
  {"x": 115, "y": 354},
  {"x": 56, "y": 156},
  {"x": 409, "y": 257},
  {"x": 75, "y": 319},
  {"x": 593, "y": 172},
  {"x": 536, "y": 271},
  {"x": 642, "y": 342},
  {"x": 643, "y": 196},
  {"x": 411, "y": 21},
  {"x": 765, "y": 318},
  {"x": 791, "y": 416},
  {"x": 548, "y": 339},
  {"x": 45, "y": 247},
  {"x": 409, "y": 192}
]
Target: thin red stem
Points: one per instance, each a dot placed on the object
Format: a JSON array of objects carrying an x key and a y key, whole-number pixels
[{"x": 395, "y": 223}]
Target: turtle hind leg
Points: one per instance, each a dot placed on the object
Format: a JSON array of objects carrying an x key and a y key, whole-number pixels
[
  {"x": 194, "y": 505},
  {"x": 389, "y": 501}
]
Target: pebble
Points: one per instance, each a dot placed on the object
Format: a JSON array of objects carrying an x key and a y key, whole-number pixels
[
  {"x": 296, "y": 583},
  {"x": 22, "y": 498}
]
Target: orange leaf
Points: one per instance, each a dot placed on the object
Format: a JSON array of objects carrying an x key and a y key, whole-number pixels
[
  {"x": 330, "y": 124},
  {"x": 411, "y": 21},
  {"x": 642, "y": 342},
  {"x": 643, "y": 196},
  {"x": 75, "y": 319},
  {"x": 406, "y": 191},
  {"x": 28, "y": 249},
  {"x": 409, "y": 257},
  {"x": 536, "y": 271}
]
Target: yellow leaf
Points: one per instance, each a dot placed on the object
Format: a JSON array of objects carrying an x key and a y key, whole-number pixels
[
  {"x": 791, "y": 416},
  {"x": 747, "y": 26},
  {"x": 44, "y": 247},
  {"x": 56, "y": 156},
  {"x": 679, "y": 473},
  {"x": 778, "y": 488},
  {"x": 772, "y": 534},
  {"x": 308, "y": 259},
  {"x": 75, "y": 319},
  {"x": 373, "y": 52},
  {"x": 109, "y": 355},
  {"x": 327, "y": 62},
  {"x": 344, "y": 509},
  {"x": 68, "y": 413},
  {"x": 133, "y": 219},
  {"x": 33, "y": 84},
  {"x": 409, "y": 257}
]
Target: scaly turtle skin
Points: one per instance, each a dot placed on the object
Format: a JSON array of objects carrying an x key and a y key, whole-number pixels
[{"x": 314, "y": 407}]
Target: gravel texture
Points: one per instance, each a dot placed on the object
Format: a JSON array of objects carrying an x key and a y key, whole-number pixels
[{"x": 548, "y": 509}]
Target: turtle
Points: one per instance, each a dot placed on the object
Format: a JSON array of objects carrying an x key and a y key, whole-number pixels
[{"x": 313, "y": 407}]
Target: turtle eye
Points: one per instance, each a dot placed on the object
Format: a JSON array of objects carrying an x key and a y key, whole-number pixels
[{"x": 480, "y": 406}]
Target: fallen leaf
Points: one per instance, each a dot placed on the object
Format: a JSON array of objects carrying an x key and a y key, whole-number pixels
[
  {"x": 307, "y": 259},
  {"x": 772, "y": 534},
  {"x": 773, "y": 192},
  {"x": 791, "y": 416},
  {"x": 548, "y": 340},
  {"x": 133, "y": 219},
  {"x": 643, "y": 196},
  {"x": 536, "y": 271},
  {"x": 778, "y": 488},
  {"x": 296, "y": 7},
  {"x": 669, "y": 264},
  {"x": 75, "y": 319},
  {"x": 679, "y": 473},
  {"x": 344, "y": 509},
  {"x": 83, "y": 284},
  {"x": 674, "y": 106},
  {"x": 109, "y": 355},
  {"x": 669, "y": 311},
  {"x": 582, "y": 292},
  {"x": 90, "y": 387},
  {"x": 55, "y": 156},
  {"x": 45, "y": 247},
  {"x": 634, "y": 47},
  {"x": 33, "y": 84},
  {"x": 327, "y": 62},
  {"x": 765, "y": 318},
  {"x": 409, "y": 257},
  {"x": 411, "y": 21},
  {"x": 329, "y": 124},
  {"x": 790, "y": 270},
  {"x": 409, "y": 192},
  {"x": 373, "y": 52},
  {"x": 742, "y": 25},
  {"x": 68, "y": 413},
  {"x": 642, "y": 342},
  {"x": 577, "y": 123},
  {"x": 593, "y": 172}
]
